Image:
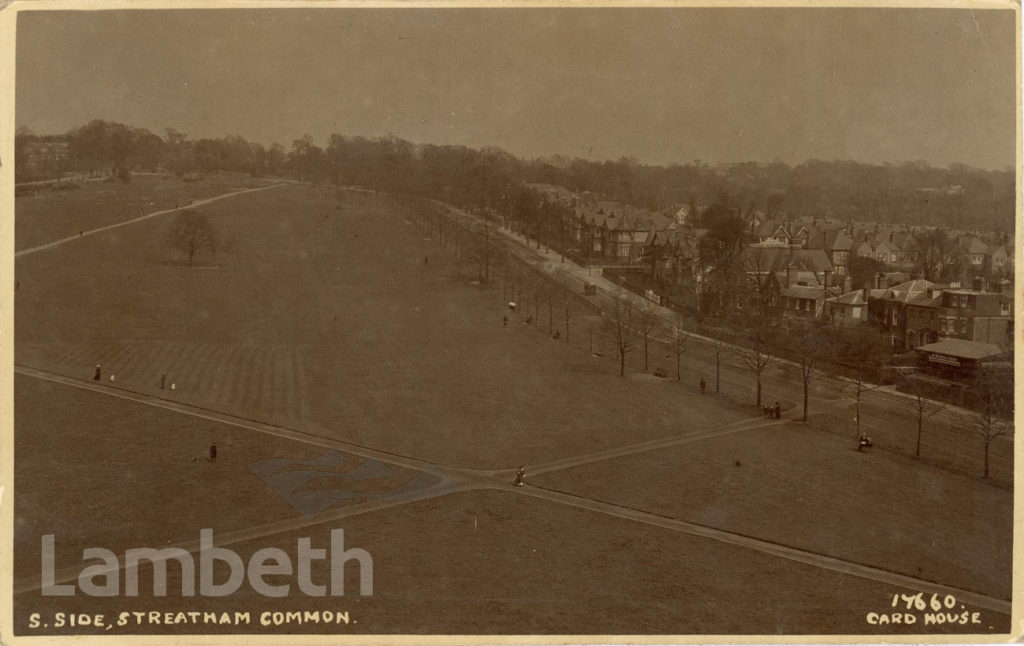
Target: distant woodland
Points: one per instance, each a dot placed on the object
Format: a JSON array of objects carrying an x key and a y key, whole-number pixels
[{"x": 913, "y": 192}]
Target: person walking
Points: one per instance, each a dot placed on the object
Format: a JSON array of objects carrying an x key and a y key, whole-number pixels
[
  {"x": 703, "y": 385},
  {"x": 96, "y": 374},
  {"x": 520, "y": 474},
  {"x": 213, "y": 452},
  {"x": 163, "y": 380},
  {"x": 778, "y": 411},
  {"x": 504, "y": 321}
]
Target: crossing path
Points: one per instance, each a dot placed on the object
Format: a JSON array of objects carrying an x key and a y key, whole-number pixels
[{"x": 466, "y": 479}]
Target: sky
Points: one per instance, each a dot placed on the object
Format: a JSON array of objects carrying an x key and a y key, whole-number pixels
[{"x": 662, "y": 85}]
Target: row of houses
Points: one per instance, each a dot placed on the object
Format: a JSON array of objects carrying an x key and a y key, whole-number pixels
[
  {"x": 797, "y": 269},
  {"x": 897, "y": 246},
  {"x": 914, "y": 312}
]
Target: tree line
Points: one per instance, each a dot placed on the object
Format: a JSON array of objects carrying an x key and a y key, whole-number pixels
[{"x": 912, "y": 192}]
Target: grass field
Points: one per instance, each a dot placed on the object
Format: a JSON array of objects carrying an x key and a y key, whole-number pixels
[
  {"x": 330, "y": 318},
  {"x": 50, "y": 215},
  {"x": 493, "y": 562},
  {"x": 875, "y": 508},
  {"x": 346, "y": 323}
]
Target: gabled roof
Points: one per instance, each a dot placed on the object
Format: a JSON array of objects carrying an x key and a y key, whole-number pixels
[
  {"x": 905, "y": 291},
  {"x": 973, "y": 245},
  {"x": 852, "y": 298},
  {"x": 865, "y": 249},
  {"x": 841, "y": 241}
]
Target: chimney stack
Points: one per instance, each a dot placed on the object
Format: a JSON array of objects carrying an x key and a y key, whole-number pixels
[
  {"x": 847, "y": 285},
  {"x": 790, "y": 271},
  {"x": 878, "y": 280},
  {"x": 828, "y": 277}
]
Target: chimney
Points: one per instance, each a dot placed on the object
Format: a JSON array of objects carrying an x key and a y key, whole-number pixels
[
  {"x": 865, "y": 293},
  {"x": 828, "y": 278},
  {"x": 824, "y": 240},
  {"x": 878, "y": 280},
  {"x": 790, "y": 272},
  {"x": 979, "y": 283},
  {"x": 847, "y": 285}
]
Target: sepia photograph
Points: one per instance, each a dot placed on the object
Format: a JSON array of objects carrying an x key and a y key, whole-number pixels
[{"x": 536, "y": 322}]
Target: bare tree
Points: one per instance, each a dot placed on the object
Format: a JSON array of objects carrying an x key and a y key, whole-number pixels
[
  {"x": 191, "y": 233},
  {"x": 484, "y": 249},
  {"x": 863, "y": 353},
  {"x": 923, "y": 409},
  {"x": 810, "y": 344},
  {"x": 646, "y": 324},
  {"x": 569, "y": 312},
  {"x": 679, "y": 338},
  {"x": 993, "y": 419},
  {"x": 618, "y": 323},
  {"x": 549, "y": 296},
  {"x": 720, "y": 348},
  {"x": 757, "y": 356}
]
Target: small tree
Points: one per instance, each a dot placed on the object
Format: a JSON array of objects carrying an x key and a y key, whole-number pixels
[
  {"x": 646, "y": 324},
  {"x": 864, "y": 352},
  {"x": 992, "y": 420},
  {"x": 923, "y": 409},
  {"x": 191, "y": 233},
  {"x": 809, "y": 343},
  {"x": 679, "y": 338},
  {"x": 569, "y": 312},
  {"x": 618, "y": 323},
  {"x": 757, "y": 356}
]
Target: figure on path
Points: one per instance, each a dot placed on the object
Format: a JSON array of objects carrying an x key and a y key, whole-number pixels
[
  {"x": 163, "y": 380},
  {"x": 520, "y": 473},
  {"x": 96, "y": 373},
  {"x": 778, "y": 411},
  {"x": 213, "y": 452},
  {"x": 703, "y": 385}
]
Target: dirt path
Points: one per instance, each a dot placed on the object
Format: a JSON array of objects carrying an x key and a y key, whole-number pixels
[
  {"x": 472, "y": 479},
  {"x": 781, "y": 551},
  {"x": 56, "y": 243}
]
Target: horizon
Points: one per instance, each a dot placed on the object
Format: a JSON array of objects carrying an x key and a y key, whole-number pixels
[{"x": 663, "y": 86}]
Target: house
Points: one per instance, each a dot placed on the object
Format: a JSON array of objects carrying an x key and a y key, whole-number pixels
[
  {"x": 975, "y": 252},
  {"x": 613, "y": 233},
  {"x": 893, "y": 304},
  {"x": 847, "y": 310}
]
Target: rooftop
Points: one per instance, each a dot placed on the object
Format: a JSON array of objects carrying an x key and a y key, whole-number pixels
[{"x": 962, "y": 349}]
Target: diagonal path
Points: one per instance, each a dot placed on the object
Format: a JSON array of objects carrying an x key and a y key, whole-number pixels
[
  {"x": 56, "y": 243},
  {"x": 793, "y": 554},
  {"x": 473, "y": 479},
  {"x": 660, "y": 443},
  {"x": 68, "y": 574}
]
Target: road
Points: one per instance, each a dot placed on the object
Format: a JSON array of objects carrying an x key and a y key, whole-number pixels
[{"x": 886, "y": 414}]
